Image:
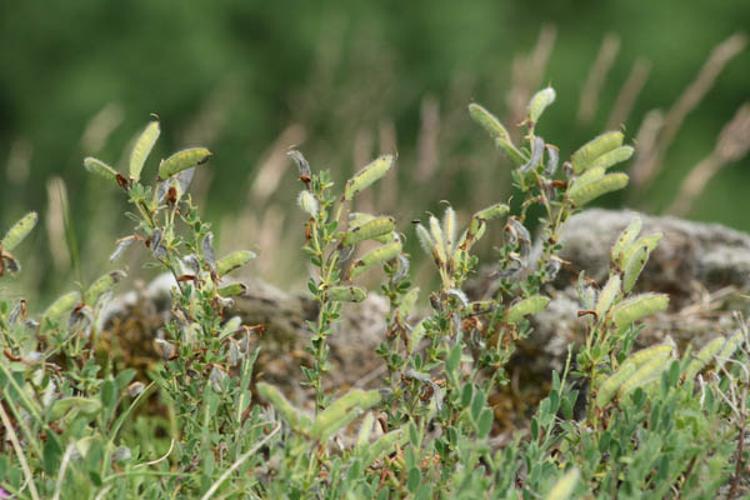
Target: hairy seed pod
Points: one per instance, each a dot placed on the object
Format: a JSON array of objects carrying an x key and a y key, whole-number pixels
[
  {"x": 608, "y": 295},
  {"x": 537, "y": 152},
  {"x": 365, "y": 431},
  {"x": 102, "y": 285},
  {"x": 631, "y": 310},
  {"x": 19, "y": 231},
  {"x": 183, "y": 160},
  {"x": 492, "y": 212},
  {"x": 425, "y": 240},
  {"x": 626, "y": 238},
  {"x": 721, "y": 347},
  {"x": 643, "y": 356},
  {"x": 100, "y": 168},
  {"x": 610, "y": 158},
  {"x": 342, "y": 411},
  {"x": 307, "y": 202},
  {"x": 376, "y": 256},
  {"x": 438, "y": 249},
  {"x": 649, "y": 242},
  {"x": 370, "y": 230},
  {"x": 62, "y": 305},
  {"x": 371, "y": 173},
  {"x": 297, "y": 420},
  {"x": 384, "y": 445},
  {"x": 232, "y": 290},
  {"x": 417, "y": 334},
  {"x": 497, "y": 132},
  {"x": 584, "y": 157},
  {"x": 303, "y": 167},
  {"x": 565, "y": 486},
  {"x": 142, "y": 148},
  {"x": 647, "y": 372},
  {"x": 635, "y": 257},
  {"x": 580, "y": 194},
  {"x": 525, "y": 307},
  {"x": 609, "y": 387},
  {"x": 449, "y": 229},
  {"x": 553, "y": 159},
  {"x": 87, "y": 406},
  {"x": 347, "y": 294},
  {"x": 233, "y": 261},
  {"x": 539, "y": 102}
]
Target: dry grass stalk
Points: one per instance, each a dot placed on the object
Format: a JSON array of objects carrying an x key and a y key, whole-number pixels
[
  {"x": 427, "y": 142},
  {"x": 100, "y": 127},
  {"x": 732, "y": 145},
  {"x": 629, "y": 93},
  {"x": 274, "y": 164},
  {"x": 527, "y": 73},
  {"x": 388, "y": 194},
  {"x": 592, "y": 88},
  {"x": 19, "y": 161},
  {"x": 57, "y": 206},
  {"x": 645, "y": 140},
  {"x": 648, "y": 164}
]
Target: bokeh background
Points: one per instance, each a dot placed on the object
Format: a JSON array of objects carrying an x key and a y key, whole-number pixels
[{"x": 345, "y": 80}]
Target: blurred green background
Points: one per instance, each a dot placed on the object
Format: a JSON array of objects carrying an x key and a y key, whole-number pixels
[{"x": 344, "y": 79}]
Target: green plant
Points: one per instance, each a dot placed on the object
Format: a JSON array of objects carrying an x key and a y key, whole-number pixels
[{"x": 653, "y": 423}]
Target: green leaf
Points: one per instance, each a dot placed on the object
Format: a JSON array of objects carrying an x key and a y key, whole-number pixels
[
  {"x": 109, "y": 394},
  {"x": 142, "y": 148},
  {"x": 484, "y": 424},
  {"x": 86, "y": 406}
]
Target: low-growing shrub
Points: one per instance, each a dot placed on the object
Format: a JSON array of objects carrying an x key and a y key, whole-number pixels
[{"x": 616, "y": 423}]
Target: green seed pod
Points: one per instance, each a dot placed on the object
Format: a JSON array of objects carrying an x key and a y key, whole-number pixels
[
  {"x": 539, "y": 103},
  {"x": 492, "y": 212},
  {"x": 417, "y": 334},
  {"x": 631, "y": 310},
  {"x": 565, "y": 486},
  {"x": 584, "y": 157},
  {"x": 365, "y": 430},
  {"x": 376, "y": 256},
  {"x": 497, "y": 132},
  {"x": 582, "y": 193},
  {"x": 232, "y": 290},
  {"x": 183, "y": 160},
  {"x": 639, "y": 358},
  {"x": 529, "y": 305},
  {"x": 609, "y": 387},
  {"x": 610, "y": 158},
  {"x": 371, "y": 173},
  {"x": 372, "y": 229},
  {"x": 635, "y": 257},
  {"x": 647, "y": 372},
  {"x": 307, "y": 202},
  {"x": 384, "y": 445},
  {"x": 449, "y": 229},
  {"x": 425, "y": 240},
  {"x": 62, "y": 305},
  {"x": 720, "y": 347},
  {"x": 347, "y": 293},
  {"x": 100, "y": 168},
  {"x": 358, "y": 219},
  {"x": 608, "y": 295},
  {"x": 626, "y": 238},
  {"x": 437, "y": 236},
  {"x": 342, "y": 411},
  {"x": 143, "y": 146},
  {"x": 102, "y": 285},
  {"x": 19, "y": 231},
  {"x": 234, "y": 260},
  {"x": 297, "y": 420},
  {"x": 87, "y": 406}
]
